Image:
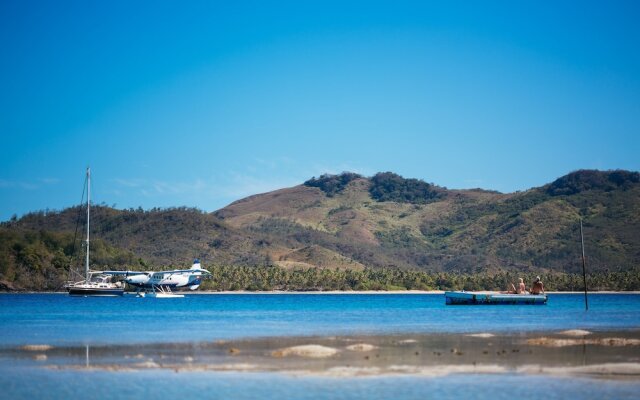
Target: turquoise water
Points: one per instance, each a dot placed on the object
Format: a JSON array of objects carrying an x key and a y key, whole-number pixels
[
  {"x": 20, "y": 384},
  {"x": 60, "y": 319}
]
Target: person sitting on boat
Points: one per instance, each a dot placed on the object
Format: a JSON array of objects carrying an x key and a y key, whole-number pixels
[
  {"x": 511, "y": 289},
  {"x": 522, "y": 288},
  {"x": 538, "y": 287}
]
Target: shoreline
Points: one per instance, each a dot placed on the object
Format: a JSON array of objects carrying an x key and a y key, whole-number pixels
[
  {"x": 379, "y": 292},
  {"x": 277, "y": 292}
]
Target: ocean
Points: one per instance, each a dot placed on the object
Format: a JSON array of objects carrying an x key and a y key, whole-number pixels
[{"x": 59, "y": 320}]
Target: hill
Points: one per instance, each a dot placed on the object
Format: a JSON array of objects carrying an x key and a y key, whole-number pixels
[
  {"x": 387, "y": 220},
  {"x": 351, "y": 222}
]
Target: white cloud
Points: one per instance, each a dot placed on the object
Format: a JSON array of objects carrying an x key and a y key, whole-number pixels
[
  {"x": 319, "y": 169},
  {"x": 221, "y": 188},
  {"x": 150, "y": 188},
  {"x": 132, "y": 183},
  {"x": 474, "y": 182},
  {"x": 272, "y": 163},
  {"x": 240, "y": 185},
  {"x": 28, "y": 186},
  {"x": 22, "y": 185}
]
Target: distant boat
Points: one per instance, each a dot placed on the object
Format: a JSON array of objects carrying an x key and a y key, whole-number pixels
[
  {"x": 488, "y": 298},
  {"x": 94, "y": 283},
  {"x": 161, "y": 293}
]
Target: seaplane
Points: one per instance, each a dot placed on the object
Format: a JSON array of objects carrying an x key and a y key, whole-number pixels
[{"x": 160, "y": 283}]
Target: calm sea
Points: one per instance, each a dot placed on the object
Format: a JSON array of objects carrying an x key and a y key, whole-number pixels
[
  {"x": 57, "y": 319},
  {"x": 60, "y": 319}
]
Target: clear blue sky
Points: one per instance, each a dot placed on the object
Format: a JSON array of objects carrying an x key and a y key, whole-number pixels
[{"x": 200, "y": 103}]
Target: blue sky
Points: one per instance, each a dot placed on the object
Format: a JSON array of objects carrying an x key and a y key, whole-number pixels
[{"x": 201, "y": 103}]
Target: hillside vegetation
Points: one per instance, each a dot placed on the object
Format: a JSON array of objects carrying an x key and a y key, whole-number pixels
[{"x": 348, "y": 222}]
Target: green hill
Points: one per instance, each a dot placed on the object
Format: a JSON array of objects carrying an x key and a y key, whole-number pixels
[
  {"x": 387, "y": 220},
  {"x": 351, "y": 222}
]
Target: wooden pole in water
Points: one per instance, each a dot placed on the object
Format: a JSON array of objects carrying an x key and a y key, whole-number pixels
[
  {"x": 86, "y": 266},
  {"x": 584, "y": 272}
]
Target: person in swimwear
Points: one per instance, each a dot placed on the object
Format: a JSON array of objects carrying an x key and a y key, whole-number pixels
[
  {"x": 537, "y": 287},
  {"x": 522, "y": 288}
]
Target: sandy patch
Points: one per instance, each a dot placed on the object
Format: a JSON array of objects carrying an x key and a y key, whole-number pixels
[
  {"x": 236, "y": 367},
  {"x": 349, "y": 372},
  {"x": 127, "y": 356},
  {"x": 443, "y": 370},
  {"x": 408, "y": 341},
  {"x": 147, "y": 365},
  {"x": 309, "y": 350},
  {"x": 36, "y": 347},
  {"x": 394, "y": 370},
  {"x": 481, "y": 335},
  {"x": 555, "y": 342},
  {"x": 575, "y": 332},
  {"x": 108, "y": 368},
  {"x": 361, "y": 347},
  {"x": 622, "y": 369}
]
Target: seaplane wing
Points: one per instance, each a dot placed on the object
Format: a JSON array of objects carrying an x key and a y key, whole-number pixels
[
  {"x": 189, "y": 271},
  {"x": 125, "y": 273}
]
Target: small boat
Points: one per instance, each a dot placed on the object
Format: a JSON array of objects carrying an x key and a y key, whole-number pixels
[
  {"x": 160, "y": 292},
  {"x": 95, "y": 283},
  {"x": 473, "y": 298}
]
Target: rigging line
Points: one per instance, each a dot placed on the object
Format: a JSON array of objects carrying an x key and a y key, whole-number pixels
[{"x": 75, "y": 235}]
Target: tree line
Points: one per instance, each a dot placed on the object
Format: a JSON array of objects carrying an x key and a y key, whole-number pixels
[
  {"x": 264, "y": 278},
  {"x": 40, "y": 260}
]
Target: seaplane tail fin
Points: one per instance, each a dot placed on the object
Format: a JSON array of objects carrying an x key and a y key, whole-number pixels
[{"x": 196, "y": 264}]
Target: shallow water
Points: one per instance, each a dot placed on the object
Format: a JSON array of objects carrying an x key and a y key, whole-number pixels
[
  {"x": 99, "y": 323},
  {"x": 29, "y": 384},
  {"x": 60, "y": 319}
]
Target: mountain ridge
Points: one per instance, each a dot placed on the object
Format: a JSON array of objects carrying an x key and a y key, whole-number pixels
[{"x": 348, "y": 221}]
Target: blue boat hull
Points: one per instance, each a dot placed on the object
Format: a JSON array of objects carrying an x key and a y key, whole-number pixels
[{"x": 493, "y": 298}]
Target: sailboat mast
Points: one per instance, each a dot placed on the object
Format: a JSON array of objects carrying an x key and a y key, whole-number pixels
[{"x": 86, "y": 265}]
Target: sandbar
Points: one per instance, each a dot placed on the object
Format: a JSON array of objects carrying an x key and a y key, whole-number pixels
[{"x": 605, "y": 355}]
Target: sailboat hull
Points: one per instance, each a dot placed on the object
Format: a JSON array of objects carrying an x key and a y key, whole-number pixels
[{"x": 80, "y": 291}]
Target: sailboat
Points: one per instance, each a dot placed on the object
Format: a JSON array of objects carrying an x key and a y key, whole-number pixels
[{"x": 95, "y": 283}]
